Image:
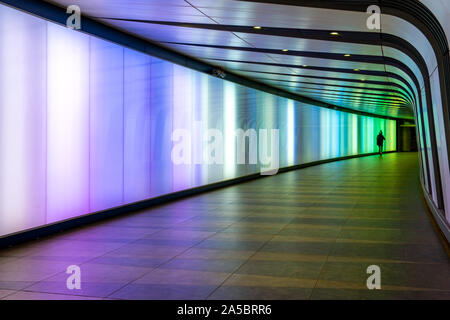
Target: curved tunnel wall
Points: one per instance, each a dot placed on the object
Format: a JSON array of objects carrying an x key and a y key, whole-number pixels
[
  {"x": 426, "y": 27},
  {"x": 440, "y": 106},
  {"x": 86, "y": 125}
]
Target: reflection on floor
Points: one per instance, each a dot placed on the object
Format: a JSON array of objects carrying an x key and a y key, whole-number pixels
[{"x": 306, "y": 234}]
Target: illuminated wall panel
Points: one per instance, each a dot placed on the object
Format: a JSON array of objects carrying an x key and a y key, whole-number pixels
[
  {"x": 87, "y": 125},
  {"x": 343, "y": 139},
  {"x": 137, "y": 143},
  {"x": 309, "y": 134},
  {"x": 290, "y": 132},
  {"x": 183, "y": 119},
  {"x": 229, "y": 124},
  {"x": 161, "y": 99},
  {"x": 67, "y": 123},
  {"x": 335, "y": 133},
  {"x": 422, "y": 151},
  {"x": 106, "y": 129},
  {"x": 215, "y": 121},
  {"x": 325, "y": 133},
  {"x": 22, "y": 121},
  {"x": 439, "y": 119},
  {"x": 202, "y": 101},
  {"x": 353, "y": 127},
  {"x": 427, "y": 146}
]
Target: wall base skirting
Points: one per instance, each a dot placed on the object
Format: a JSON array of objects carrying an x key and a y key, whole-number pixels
[{"x": 49, "y": 229}]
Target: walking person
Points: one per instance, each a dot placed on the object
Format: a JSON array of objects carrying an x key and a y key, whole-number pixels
[{"x": 380, "y": 140}]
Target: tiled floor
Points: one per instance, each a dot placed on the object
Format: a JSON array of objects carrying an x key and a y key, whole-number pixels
[{"x": 305, "y": 234}]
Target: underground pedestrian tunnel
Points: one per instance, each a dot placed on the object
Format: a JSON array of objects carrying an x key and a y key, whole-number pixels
[{"x": 224, "y": 149}]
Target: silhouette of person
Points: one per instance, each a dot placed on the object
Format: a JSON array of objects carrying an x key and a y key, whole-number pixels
[{"x": 380, "y": 140}]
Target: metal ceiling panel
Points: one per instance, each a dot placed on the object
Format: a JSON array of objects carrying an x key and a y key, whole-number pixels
[
  {"x": 204, "y": 53},
  {"x": 338, "y": 82},
  {"x": 400, "y": 56},
  {"x": 265, "y": 14},
  {"x": 164, "y": 33},
  {"x": 307, "y": 68},
  {"x": 280, "y": 43},
  {"x": 441, "y": 9},
  {"x": 176, "y": 10},
  {"x": 408, "y": 32}
]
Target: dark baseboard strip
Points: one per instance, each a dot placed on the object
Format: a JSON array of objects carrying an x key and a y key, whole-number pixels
[{"x": 47, "y": 230}]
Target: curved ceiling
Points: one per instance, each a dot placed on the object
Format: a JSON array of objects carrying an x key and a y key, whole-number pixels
[{"x": 289, "y": 47}]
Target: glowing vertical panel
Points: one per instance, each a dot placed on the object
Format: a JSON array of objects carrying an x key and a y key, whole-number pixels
[
  {"x": 427, "y": 145},
  {"x": 392, "y": 127},
  {"x": 370, "y": 143},
  {"x": 216, "y": 103},
  {"x": 67, "y": 123},
  {"x": 364, "y": 134},
  {"x": 381, "y": 124},
  {"x": 361, "y": 134},
  {"x": 268, "y": 121},
  {"x": 22, "y": 121},
  {"x": 441, "y": 141},
  {"x": 344, "y": 133},
  {"x": 290, "y": 132},
  {"x": 183, "y": 120},
  {"x": 312, "y": 133},
  {"x": 229, "y": 120},
  {"x": 197, "y": 148},
  {"x": 371, "y": 137},
  {"x": 384, "y": 125},
  {"x": 422, "y": 150},
  {"x": 161, "y": 97},
  {"x": 325, "y": 132},
  {"x": 204, "y": 100},
  {"x": 136, "y": 126},
  {"x": 334, "y": 133},
  {"x": 354, "y": 128},
  {"x": 252, "y": 115},
  {"x": 301, "y": 118},
  {"x": 106, "y": 125}
]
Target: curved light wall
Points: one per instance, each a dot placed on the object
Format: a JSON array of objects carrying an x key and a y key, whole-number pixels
[
  {"x": 86, "y": 125},
  {"x": 409, "y": 32}
]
